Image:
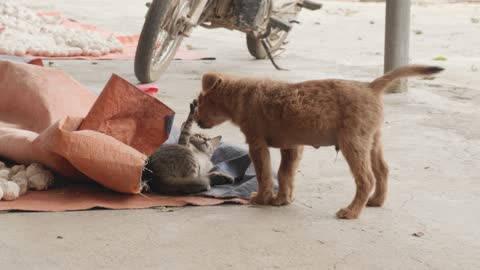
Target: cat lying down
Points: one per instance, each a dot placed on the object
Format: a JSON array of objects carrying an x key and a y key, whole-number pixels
[
  {"x": 348, "y": 114},
  {"x": 184, "y": 168}
]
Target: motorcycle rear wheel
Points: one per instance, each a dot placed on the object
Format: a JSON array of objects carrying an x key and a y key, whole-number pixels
[
  {"x": 284, "y": 9},
  {"x": 256, "y": 49},
  {"x": 160, "y": 38}
]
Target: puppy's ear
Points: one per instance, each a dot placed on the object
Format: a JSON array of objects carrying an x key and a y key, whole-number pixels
[{"x": 210, "y": 80}]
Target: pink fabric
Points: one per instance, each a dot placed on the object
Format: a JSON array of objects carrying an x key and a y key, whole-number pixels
[
  {"x": 130, "y": 47},
  {"x": 150, "y": 89},
  {"x": 81, "y": 197}
]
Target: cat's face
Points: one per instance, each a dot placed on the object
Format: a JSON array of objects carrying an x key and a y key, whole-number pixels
[{"x": 204, "y": 143}]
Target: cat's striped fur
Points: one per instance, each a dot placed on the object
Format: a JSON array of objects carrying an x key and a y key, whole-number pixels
[
  {"x": 186, "y": 129},
  {"x": 184, "y": 168}
]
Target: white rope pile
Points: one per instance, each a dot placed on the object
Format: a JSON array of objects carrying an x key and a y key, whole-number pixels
[{"x": 22, "y": 32}]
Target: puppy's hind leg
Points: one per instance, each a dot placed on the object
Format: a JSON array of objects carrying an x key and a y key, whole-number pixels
[
  {"x": 357, "y": 154},
  {"x": 286, "y": 175},
  {"x": 380, "y": 170}
]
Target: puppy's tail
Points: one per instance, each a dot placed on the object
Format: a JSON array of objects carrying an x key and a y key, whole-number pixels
[{"x": 380, "y": 84}]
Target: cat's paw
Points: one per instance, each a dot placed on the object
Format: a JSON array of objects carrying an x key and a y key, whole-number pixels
[
  {"x": 218, "y": 178},
  {"x": 193, "y": 106}
]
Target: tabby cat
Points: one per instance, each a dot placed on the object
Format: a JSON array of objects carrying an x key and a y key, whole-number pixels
[{"x": 183, "y": 168}]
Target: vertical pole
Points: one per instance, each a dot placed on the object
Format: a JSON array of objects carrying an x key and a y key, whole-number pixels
[{"x": 397, "y": 39}]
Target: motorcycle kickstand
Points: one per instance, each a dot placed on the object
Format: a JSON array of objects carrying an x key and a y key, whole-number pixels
[{"x": 267, "y": 50}]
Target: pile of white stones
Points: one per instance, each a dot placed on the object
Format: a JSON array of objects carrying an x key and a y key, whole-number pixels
[
  {"x": 17, "y": 180},
  {"x": 22, "y": 32}
]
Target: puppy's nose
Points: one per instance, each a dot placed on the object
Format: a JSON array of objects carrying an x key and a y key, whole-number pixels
[{"x": 200, "y": 124}]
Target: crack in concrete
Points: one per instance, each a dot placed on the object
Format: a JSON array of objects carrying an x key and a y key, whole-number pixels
[
  {"x": 342, "y": 259},
  {"x": 421, "y": 261},
  {"x": 406, "y": 201}
]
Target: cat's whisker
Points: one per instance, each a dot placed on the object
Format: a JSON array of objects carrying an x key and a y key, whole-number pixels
[{"x": 141, "y": 194}]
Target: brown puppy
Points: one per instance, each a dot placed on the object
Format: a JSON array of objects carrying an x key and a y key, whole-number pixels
[{"x": 284, "y": 115}]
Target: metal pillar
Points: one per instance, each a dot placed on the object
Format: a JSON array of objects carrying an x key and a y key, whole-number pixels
[{"x": 397, "y": 39}]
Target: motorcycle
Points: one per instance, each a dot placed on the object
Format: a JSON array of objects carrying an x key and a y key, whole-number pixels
[{"x": 266, "y": 24}]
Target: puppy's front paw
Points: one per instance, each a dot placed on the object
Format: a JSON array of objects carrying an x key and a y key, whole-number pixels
[
  {"x": 281, "y": 199},
  {"x": 376, "y": 201},
  {"x": 263, "y": 198},
  {"x": 347, "y": 213}
]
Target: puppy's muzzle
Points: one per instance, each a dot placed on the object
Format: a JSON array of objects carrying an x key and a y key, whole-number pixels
[{"x": 203, "y": 125}]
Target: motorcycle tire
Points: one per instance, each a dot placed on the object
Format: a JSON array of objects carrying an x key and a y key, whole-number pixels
[
  {"x": 286, "y": 10},
  {"x": 146, "y": 70},
  {"x": 256, "y": 49}
]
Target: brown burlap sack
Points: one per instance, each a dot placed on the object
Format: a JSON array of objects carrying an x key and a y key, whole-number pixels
[
  {"x": 34, "y": 97},
  {"x": 130, "y": 115},
  {"x": 121, "y": 129},
  {"x": 100, "y": 157},
  {"x": 18, "y": 145}
]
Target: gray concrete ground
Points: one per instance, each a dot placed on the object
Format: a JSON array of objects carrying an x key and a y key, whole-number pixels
[{"x": 432, "y": 143}]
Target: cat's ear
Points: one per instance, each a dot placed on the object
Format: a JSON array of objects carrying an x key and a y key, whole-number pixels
[
  {"x": 210, "y": 80},
  {"x": 216, "y": 141}
]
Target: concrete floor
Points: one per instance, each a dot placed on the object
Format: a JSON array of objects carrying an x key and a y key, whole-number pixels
[{"x": 432, "y": 143}]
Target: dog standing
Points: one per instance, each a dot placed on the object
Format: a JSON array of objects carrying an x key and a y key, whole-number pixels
[{"x": 347, "y": 114}]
